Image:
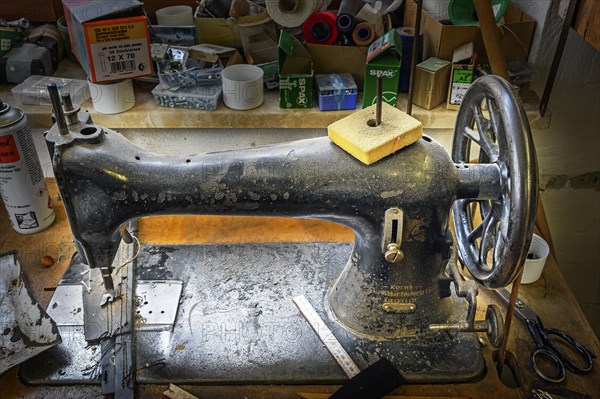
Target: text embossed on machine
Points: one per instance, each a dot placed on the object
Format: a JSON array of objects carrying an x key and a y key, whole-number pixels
[{"x": 400, "y": 293}]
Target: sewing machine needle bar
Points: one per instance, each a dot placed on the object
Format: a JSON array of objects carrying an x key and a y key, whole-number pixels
[{"x": 326, "y": 336}]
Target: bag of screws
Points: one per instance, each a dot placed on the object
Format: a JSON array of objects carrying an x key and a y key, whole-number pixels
[
  {"x": 193, "y": 73},
  {"x": 196, "y": 97}
]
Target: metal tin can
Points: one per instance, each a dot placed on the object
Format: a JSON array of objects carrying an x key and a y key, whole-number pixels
[{"x": 22, "y": 183}]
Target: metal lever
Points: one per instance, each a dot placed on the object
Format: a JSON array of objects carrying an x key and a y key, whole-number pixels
[{"x": 392, "y": 235}]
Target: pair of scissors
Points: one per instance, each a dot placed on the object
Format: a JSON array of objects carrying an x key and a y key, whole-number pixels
[{"x": 548, "y": 342}]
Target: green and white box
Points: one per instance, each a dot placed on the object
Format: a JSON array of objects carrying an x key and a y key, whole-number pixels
[
  {"x": 383, "y": 59},
  {"x": 295, "y": 73}
]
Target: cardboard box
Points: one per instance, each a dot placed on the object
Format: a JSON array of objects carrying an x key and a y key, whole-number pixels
[
  {"x": 295, "y": 73},
  {"x": 109, "y": 38},
  {"x": 383, "y": 59},
  {"x": 461, "y": 76},
  {"x": 228, "y": 56},
  {"x": 440, "y": 40},
  {"x": 221, "y": 31},
  {"x": 340, "y": 59},
  {"x": 431, "y": 82},
  {"x": 259, "y": 41},
  {"x": 336, "y": 91}
]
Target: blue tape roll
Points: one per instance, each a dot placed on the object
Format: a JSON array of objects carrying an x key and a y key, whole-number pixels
[{"x": 408, "y": 38}]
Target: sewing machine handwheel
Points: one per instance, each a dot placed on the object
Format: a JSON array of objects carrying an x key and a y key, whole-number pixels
[
  {"x": 495, "y": 250},
  {"x": 495, "y": 322}
]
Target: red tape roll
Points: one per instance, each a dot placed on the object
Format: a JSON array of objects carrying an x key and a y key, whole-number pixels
[{"x": 321, "y": 28}]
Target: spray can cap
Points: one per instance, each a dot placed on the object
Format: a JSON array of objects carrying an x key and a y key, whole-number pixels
[{"x": 8, "y": 114}]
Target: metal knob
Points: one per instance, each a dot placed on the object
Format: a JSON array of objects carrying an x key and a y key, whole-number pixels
[{"x": 393, "y": 253}]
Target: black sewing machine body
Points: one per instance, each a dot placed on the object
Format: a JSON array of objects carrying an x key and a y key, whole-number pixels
[
  {"x": 110, "y": 180},
  {"x": 396, "y": 285}
]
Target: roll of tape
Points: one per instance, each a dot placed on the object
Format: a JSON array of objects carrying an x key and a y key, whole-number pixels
[
  {"x": 363, "y": 34},
  {"x": 346, "y": 22},
  {"x": 292, "y": 13},
  {"x": 112, "y": 97},
  {"x": 321, "y": 28},
  {"x": 175, "y": 16},
  {"x": 407, "y": 34},
  {"x": 242, "y": 86}
]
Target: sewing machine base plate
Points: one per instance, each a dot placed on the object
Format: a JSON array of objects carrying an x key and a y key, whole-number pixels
[{"x": 237, "y": 323}]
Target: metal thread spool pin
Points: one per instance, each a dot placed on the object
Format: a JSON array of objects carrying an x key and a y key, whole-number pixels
[
  {"x": 379, "y": 100},
  {"x": 70, "y": 110},
  {"x": 61, "y": 122},
  {"x": 67, "y": 103}
]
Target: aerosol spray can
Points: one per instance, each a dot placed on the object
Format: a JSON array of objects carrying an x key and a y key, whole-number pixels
[{"x": 22, "y": 184}]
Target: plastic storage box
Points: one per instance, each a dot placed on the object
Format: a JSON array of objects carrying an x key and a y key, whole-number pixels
[
  {"x": 197, "y": 97},
  {"x": 34, "y": 90},
  {"x": 336, "y": 91}
]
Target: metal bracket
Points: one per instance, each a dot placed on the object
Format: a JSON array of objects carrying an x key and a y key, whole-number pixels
[
  {"x": 392, "y": 235},
  {"x": 493, "y": 323}
]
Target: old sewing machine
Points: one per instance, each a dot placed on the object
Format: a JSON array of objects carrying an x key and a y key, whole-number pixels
[{"x": 396, "y": 293}]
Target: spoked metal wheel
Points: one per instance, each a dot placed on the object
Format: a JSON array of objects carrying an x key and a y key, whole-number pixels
[{"x": 495, "y": 249}]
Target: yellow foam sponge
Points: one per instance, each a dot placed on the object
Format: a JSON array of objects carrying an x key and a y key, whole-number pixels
[{"x": 357, "y": 135}]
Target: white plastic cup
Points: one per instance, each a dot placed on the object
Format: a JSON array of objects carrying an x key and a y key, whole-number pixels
[
  {"x": 175, "y": 16},
  {"x": 242, "y": 86},
  {"x": 536, "y": 259},
  {"x": 112, "y": 97}
]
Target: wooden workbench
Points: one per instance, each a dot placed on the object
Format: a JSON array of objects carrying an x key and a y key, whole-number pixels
[{"x": 550, "y": 297}]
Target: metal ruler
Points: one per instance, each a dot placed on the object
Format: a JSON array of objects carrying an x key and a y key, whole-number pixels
[{"x": 326, "y": 336}]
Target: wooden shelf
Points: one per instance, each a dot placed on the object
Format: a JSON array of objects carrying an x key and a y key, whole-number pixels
[{"x": 147, "y": 114}]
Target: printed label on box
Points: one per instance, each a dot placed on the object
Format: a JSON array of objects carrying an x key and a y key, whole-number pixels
[
  {"x": 458, "y": 92},
  {"x": 384, "y": 73},
  {"x": 461, "y": 81},
  {"x": 462, "y": 76},
  {"x": 118, "y": 50},
  {"x": 295, "y": 92}
]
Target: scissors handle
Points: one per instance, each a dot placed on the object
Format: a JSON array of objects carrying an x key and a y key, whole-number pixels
[
  {"x": 584, "y": 353},
  {"x": 544, "y": 354},
  {"x": 551, "y": 358}
]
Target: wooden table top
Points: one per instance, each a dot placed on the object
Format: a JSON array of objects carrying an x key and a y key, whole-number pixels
[{"x": 550, "y": 297}]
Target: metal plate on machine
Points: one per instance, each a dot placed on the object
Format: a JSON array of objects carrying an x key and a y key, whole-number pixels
[
  {"x": 236, "y": 322},
  {"x": 66, "y": 306},
  {"x": 156, "y": 303}
]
